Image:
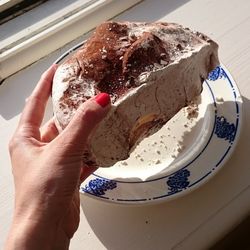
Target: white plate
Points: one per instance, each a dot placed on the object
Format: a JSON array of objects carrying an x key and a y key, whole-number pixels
[{"x": 183, "y": 155}]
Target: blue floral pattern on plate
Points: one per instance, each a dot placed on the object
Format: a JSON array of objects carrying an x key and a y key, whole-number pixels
[
  {"x": 216, "y": 74},
  {"x": 99, "y": 186},
  {"x": 224, "y": 129},
  {"x": 178, "y": 181}
]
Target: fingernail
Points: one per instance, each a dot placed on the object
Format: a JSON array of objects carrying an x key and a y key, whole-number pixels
[{"x": 103, "y": 99}]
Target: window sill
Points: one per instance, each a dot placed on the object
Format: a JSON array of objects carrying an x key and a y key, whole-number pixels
[{"x": 38, "y": 40}]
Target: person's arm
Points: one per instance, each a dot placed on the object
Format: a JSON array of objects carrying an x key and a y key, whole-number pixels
[{"x": 47, "y": 169}]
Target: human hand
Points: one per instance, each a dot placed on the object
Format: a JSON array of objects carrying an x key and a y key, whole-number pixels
[{"x": 47, "y": 169}]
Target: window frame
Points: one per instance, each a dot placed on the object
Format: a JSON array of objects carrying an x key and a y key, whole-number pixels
[{"x": 6, "y": 4}]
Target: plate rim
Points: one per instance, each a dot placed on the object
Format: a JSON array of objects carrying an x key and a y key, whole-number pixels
[{"x": 239, "y": 101}]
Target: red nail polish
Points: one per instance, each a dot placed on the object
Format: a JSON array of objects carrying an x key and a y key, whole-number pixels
[{"x": 103, "y": 99}]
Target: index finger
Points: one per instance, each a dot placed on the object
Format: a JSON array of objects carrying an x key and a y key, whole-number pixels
[{"x": 33, "y": 112}]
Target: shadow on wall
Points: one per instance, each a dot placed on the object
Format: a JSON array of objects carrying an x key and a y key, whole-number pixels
[
  {"x": 151, "y": 10},
  {"x": 238, "y": 238},
  {"x": 15, "y": 89}
]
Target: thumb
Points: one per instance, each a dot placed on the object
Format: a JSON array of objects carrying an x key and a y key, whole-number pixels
[{"x": 87, "y": 116}]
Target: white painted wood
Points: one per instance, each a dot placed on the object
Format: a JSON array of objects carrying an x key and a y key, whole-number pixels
[
  {"x": 194, "y": 221},
  {"x": 6, "y": 4}
]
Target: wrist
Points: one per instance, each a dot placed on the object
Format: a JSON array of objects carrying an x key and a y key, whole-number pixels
[
  {"x": 30, "y": 232},
  {"x": 25, "y": 234}
]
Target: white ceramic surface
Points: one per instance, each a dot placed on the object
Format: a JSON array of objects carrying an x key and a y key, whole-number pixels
[{"x": 185, "y": 153}]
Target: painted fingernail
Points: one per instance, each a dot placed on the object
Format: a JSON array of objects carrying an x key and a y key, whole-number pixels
[{"x": 103, "y": 99}]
